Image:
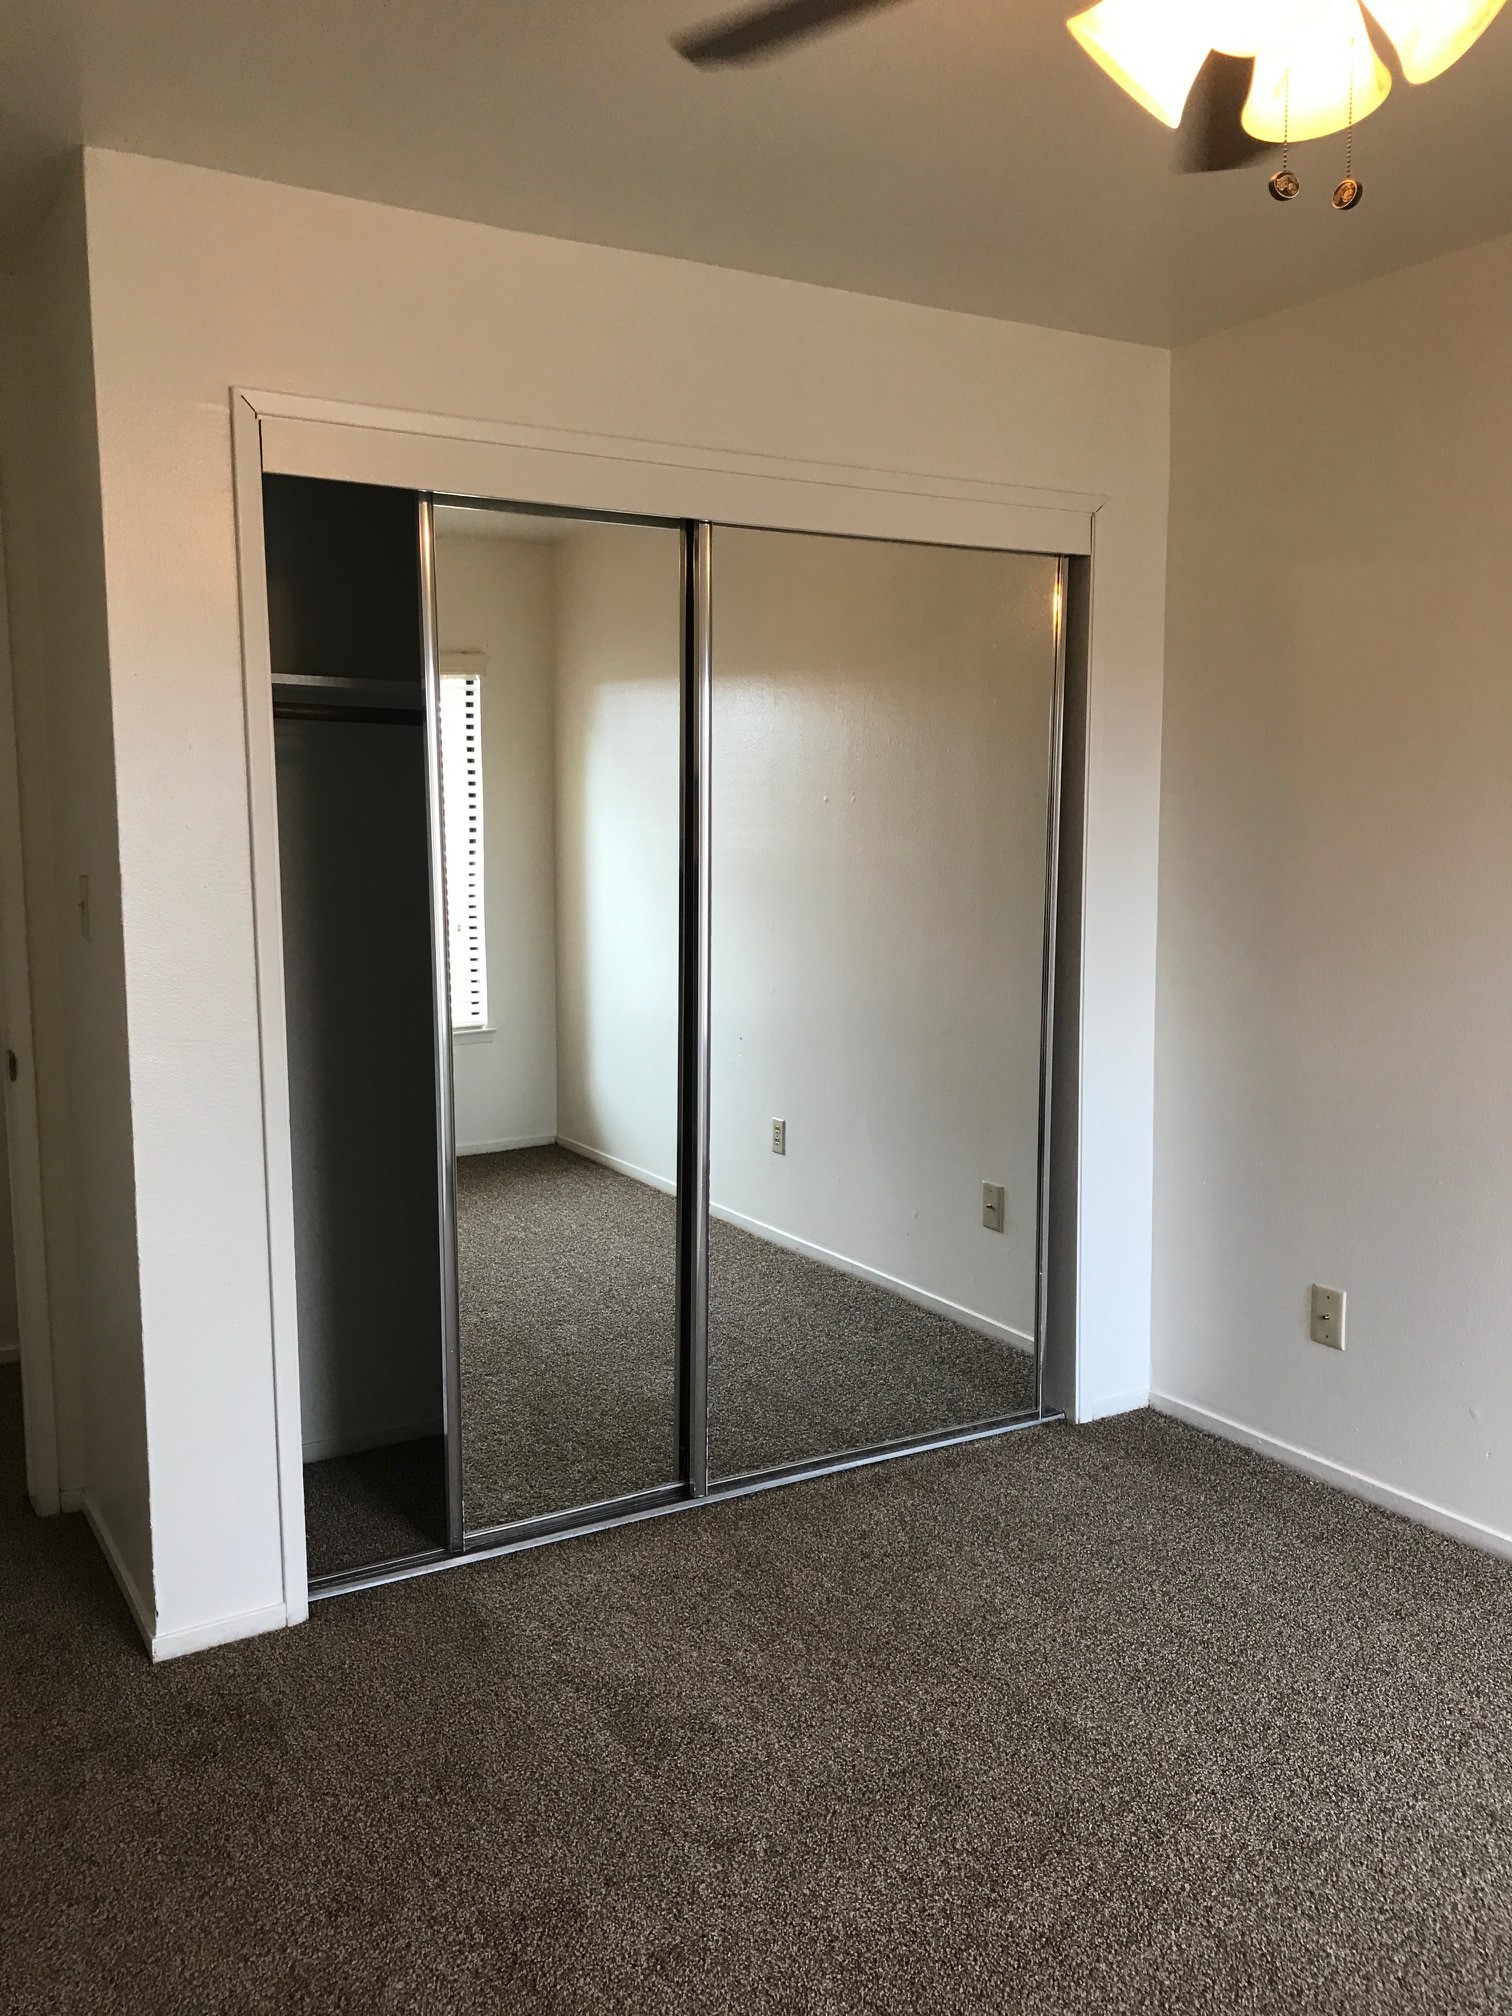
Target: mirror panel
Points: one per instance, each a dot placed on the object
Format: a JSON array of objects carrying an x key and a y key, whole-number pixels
[
  {"x": 882, "y": 718},
  {"x": 560, "y": 663}
]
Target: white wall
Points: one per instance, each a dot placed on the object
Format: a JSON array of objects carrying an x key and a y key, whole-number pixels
[
  {"x": 494, "y": 596},
  {"x": 1334, "y": 1096},
  {"x": 202, "y": 281},
  {"x": 881, "y": 766},
  {"x": 54, "y": 554},
  {"x": 619, "y": 618},
  {"x": 881, "y": 741}
]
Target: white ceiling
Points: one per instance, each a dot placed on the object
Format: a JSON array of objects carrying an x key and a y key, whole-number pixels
[{"x": 958, "y": 152}]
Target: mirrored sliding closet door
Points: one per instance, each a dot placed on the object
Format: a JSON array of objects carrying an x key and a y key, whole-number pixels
[
  {"x": 560, "y": 763},
  {"x": 882, "y": 781}
]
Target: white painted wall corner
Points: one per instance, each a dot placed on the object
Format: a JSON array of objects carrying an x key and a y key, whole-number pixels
[
  {"x": 1103, "y": 1406},
  {"x": 141, "y": 1610},
  {"x": 1357, "y": 1483}
]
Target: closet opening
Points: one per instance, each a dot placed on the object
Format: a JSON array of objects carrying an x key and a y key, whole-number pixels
[{"x": 669, "y": 924}]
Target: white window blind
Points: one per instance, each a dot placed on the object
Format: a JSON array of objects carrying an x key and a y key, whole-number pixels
[{"x": 462, "y": 845}]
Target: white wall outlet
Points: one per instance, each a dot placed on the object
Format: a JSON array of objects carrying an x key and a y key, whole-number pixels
[
  {"x": 994, "y": 1207},
  {"x": 779, "y": 1137},
  {"x": 1327, "y": 1325}
]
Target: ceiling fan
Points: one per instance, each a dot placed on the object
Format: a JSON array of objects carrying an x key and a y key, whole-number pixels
[{"x": 1235, "y": 78}]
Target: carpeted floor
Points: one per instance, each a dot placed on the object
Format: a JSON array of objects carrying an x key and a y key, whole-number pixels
[
  {"x": 569, "y": 1392},
  {"x": 1117, "y": 1719},
  {"x": 376, "y": 1505}
]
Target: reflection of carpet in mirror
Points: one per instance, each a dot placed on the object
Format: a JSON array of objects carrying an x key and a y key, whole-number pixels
[{"x": 566, "y": 1289}]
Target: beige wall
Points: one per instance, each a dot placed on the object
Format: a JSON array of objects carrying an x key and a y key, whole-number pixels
[{"x": 1335, "y": 997}]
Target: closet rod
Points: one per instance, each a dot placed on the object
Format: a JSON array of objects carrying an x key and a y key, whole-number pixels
[{"x": 316, "y": 710}]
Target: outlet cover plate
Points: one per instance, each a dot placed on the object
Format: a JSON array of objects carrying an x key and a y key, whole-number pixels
[{"x": 1327, "y": 1322}]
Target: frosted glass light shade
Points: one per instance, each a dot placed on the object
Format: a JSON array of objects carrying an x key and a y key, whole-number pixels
[
  {"x": 1153, "y": 51},
  {"x": 1311, "y": 84},
  {"x": 1431, "y": 34},
  {"x": 1316, "y": 54}
]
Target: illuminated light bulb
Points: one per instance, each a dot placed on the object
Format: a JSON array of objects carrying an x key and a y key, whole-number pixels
[
  {"x": 1153, "y": 51},
  {"x": 1431, "y": 34},
  {"x": 1245, "y": 27},
  {"x": 1319, "y": 79}
]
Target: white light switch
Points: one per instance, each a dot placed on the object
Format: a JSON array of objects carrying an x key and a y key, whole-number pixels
[
  {"x": 779, "y": 1137},
  {"x": 994, "y": 1207},
  {"x": 1327, "y": 1325}
]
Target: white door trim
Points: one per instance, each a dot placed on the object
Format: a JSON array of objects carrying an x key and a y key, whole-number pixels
[
  {"x": 660, "y": 479},
  {"x": 273, "y": 1042}
]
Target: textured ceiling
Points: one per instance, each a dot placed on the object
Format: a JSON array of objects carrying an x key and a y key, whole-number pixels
[{"x": 958, "y": 152}]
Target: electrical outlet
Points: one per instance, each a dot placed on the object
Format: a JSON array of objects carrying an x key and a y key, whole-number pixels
[
  {"x": 994, "y": 1207},
  {"x": 779, "y": 1137},
  {"x": 1327, "y": 1324}
]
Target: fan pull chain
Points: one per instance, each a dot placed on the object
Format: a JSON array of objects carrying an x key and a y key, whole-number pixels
[
  {"x": 1349, "y": 190},
  {"x": 1283, "y": 185}
]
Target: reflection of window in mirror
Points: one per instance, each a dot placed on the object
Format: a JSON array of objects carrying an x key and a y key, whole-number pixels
[{"x": 462, "y": 843}]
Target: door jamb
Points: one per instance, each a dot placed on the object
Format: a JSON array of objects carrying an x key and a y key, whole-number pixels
[{"x": 23, "y": 1139}]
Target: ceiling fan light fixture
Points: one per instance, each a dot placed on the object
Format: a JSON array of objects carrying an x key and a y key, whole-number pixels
[
  {"x": 1430, "y": 35},
  {"x": 1326, "y": 76},
  {"x": 1154, "y": 53}
]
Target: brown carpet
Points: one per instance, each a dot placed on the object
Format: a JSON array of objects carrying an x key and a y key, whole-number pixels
[
  {"x": 376, "y": 1505},
  {"x": 566, "y": 1281},
  {"x": 1116, "y": 1719}
]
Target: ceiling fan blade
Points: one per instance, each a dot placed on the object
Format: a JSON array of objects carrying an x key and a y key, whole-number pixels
[
  {"x": 755, "y": 32},
  {"x": 1212, "y": 137}
]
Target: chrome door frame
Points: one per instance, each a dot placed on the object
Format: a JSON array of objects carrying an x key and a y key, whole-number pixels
[{"x": 446, "y": 1126}]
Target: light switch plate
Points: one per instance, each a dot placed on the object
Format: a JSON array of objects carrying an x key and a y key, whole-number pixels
[
  {"x": 994, "y": 1207},
  {"x": 1327, "y": 1325}
]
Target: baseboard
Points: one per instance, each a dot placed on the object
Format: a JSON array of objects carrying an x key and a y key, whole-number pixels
[
  {"x": 193, "y": 1638},
  {"x": 71, "y": 1500},
  {"x": 324, "y": 1446},
  {"x": 10, "y": 1352},
  {"x": 1103, "y": 1406},
  {"x": 218, "y": 1631},
  {"x": 908, "y": 1291},
  {"x": 141, "y": 1610},
  {"x": 505, "y": 1147},
  {"x": 1324, "y": 1471},
  {"x": 618, "y": 1164}
]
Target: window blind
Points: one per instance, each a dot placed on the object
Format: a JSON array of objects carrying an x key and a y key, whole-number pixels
[{"x": 462, "y": 845}]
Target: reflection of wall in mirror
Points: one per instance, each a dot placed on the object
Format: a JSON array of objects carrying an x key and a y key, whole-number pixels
[
  {"x": 879, "y": 885},
  {"x": 494, "y": 599}
]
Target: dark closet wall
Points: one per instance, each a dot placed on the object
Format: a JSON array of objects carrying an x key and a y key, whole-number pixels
[{"x": 344, "y": 603}]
